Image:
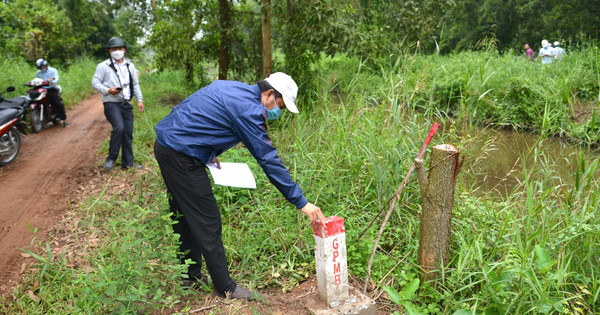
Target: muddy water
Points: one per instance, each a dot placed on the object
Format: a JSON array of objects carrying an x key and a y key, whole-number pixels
[{"x": 497, "y": 160}]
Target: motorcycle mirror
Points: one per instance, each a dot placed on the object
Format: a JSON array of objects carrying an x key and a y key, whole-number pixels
[{"x": 10, "y": 89}]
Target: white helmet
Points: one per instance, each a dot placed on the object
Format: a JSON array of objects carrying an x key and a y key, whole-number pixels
[
  {"x": 40, "y": 63},
  {"x": 545, "y": 43}
]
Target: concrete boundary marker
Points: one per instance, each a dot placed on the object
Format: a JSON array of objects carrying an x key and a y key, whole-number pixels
[{"x": 331, "y": 264}]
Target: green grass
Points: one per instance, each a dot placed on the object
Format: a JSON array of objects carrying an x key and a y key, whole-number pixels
[
  {"x": 485, "y": 88},
  {"x": 533, "y": 251},
  {"x": 75, "y": 80}
]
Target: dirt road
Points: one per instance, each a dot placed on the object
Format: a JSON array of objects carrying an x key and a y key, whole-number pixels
[{"x": 35, "y": 189}]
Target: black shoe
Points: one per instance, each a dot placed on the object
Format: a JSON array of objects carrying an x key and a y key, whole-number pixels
[
  {"x": 240, "y": 294},
  {"x": 65, "y": 124},
  {"x": 193, "y": 283},
  {"x": 133, "y": 165},
  {"x": 108, "y": 165}
]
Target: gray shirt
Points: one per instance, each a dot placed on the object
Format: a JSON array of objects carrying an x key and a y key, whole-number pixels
[{"x": 106, "y": 77}]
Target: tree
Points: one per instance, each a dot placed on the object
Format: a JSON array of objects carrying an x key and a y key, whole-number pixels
[
  {"x": 36, "y": 29},
  {"x": 383, "y": 25},
  {"x": 225, "y": 41},
  {"x": 305, "y": 29},
  {"x": 515, "y": 22},
  {"x": 175, "y": 36},
  {"x": 266, "y": 37},
  {"x": 91, "y": 26}
]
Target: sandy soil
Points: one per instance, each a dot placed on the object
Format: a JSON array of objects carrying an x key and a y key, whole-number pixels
[{"x": 35, "y": 188}]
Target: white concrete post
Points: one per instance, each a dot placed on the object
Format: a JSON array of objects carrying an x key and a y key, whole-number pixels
[{"x": 331, "y": 261}]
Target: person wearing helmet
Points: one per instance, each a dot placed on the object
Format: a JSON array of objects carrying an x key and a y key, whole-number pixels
[
  {"x": 546, "y": 52},
  {"x": 50, "y": 74},
  {"x": 204, "y": 125},
  {"x": 116, "y": 78},
  {"x": 559, "y": 52}
]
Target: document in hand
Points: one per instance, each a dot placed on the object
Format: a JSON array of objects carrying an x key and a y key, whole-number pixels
[{"x": 232, "y": 174}]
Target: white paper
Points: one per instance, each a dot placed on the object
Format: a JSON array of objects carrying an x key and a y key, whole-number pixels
[{"x": 232, "y": 174}]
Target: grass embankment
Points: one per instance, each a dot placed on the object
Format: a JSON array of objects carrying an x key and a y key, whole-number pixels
[
  {"x": 485, "y": 88},
  {"x": 535, "y": 251}
]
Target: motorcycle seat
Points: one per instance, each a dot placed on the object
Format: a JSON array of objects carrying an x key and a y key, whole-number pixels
[
  {"x": 6, "y": 114},
  {"x": 16, "y": 102}
]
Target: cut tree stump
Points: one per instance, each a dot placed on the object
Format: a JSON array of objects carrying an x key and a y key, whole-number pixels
[{"x": 437, "y": 194}]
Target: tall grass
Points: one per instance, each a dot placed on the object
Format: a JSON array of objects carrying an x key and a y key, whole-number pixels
[
  {"x": 74, "y": 80},
  {"x": 535, "y": 251},
  {"x": 485, "y": 88}
]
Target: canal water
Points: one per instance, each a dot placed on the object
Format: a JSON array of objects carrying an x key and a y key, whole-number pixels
[{"x": 498, "y": 160}]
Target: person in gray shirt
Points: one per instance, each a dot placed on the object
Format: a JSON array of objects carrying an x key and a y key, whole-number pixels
[{"x": 116, "y": 78}]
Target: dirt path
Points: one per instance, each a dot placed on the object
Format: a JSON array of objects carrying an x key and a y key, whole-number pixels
[{"x": 35, "y": 188}]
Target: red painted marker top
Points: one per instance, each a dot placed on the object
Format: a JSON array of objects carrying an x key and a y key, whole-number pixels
[{"x": 333, "y": 225}]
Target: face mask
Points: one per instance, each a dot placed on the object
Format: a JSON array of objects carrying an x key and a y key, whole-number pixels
[
  {"x": 273, "y": 113},
  {"x": 117, "y": 54}
]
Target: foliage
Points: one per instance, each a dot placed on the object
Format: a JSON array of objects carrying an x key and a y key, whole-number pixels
[
  {"x": 533, "y": 250},
  {"x": 75, "y": 80},
  {"x": 175, "y": 34},
  {"x": 385, "y": 26},
  {"x": 517, "y": 22},
  {"x": 187, "y": 34},
  {"x": 92, "y": 27},
  {"x": 113, "y": 271},
  {"x": 35, "y": 29},
  {"x": 54, "y": 31}
]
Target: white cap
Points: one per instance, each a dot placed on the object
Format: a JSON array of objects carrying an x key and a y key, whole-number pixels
[
  {"x": 556, "y": 43},
  {"x": 545, "y": 43},
  {"x": 285, "y": 85}
]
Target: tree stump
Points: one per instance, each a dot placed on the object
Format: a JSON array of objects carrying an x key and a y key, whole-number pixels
[{"x": 437, "y": 194}]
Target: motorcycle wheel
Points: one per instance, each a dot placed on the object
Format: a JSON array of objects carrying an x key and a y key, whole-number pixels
[
  {"x": 10, "y": 144},
  {"x": 35, "y": 119}
]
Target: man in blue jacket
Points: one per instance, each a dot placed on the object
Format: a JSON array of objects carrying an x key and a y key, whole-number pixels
[
  {"x": 206, "y": 124},
  {"x": 50, "y": 74}
]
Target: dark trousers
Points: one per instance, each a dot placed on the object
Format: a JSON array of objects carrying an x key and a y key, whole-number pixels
[
  {"x": 58, "y": 105},
  {"x": 194, "y": 206},
  {"x": 120, "y": 116}
]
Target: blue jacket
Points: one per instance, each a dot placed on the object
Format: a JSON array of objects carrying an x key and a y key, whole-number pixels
[
  {"x": 47, "y": 75},
  {"x": 219, "y": 116}
]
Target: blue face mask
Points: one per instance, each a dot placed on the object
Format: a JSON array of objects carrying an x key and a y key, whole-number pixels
[{"x": 273, "y": 113}]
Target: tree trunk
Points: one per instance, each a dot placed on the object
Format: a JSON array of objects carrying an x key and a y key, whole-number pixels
[
  {"x": 224, "y": 23},
  {"x": 437, "y": 194},
  {"x": 154, "y": 13},
  {"x": 266, "y": 37},
  {"x": 189, "y": 72}
]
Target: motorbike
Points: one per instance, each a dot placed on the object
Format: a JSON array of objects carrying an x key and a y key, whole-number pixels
[
  {"x": 41, "y": 111},
  {"x": 11, "y": 126}
]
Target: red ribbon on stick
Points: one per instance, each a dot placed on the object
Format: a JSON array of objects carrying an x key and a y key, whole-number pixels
[{"x": 432, "y": 132}]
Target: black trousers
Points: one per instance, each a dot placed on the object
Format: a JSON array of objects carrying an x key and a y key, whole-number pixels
[
  {"x": 120, "y": 116},
  {"x": 58, "y": 105},
  {"x": 194, "y": 206}
]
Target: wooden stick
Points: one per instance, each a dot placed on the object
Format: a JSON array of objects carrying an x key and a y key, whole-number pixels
[{"x": 396, "y": 197}]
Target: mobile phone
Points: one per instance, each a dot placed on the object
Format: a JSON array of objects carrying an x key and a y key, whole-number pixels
[{"x": 119, "y": 89}]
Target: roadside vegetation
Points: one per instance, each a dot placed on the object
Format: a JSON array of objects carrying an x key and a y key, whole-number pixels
[
  {"x": 534, "y": 250},
  {"x": 75, "y": 78}
]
